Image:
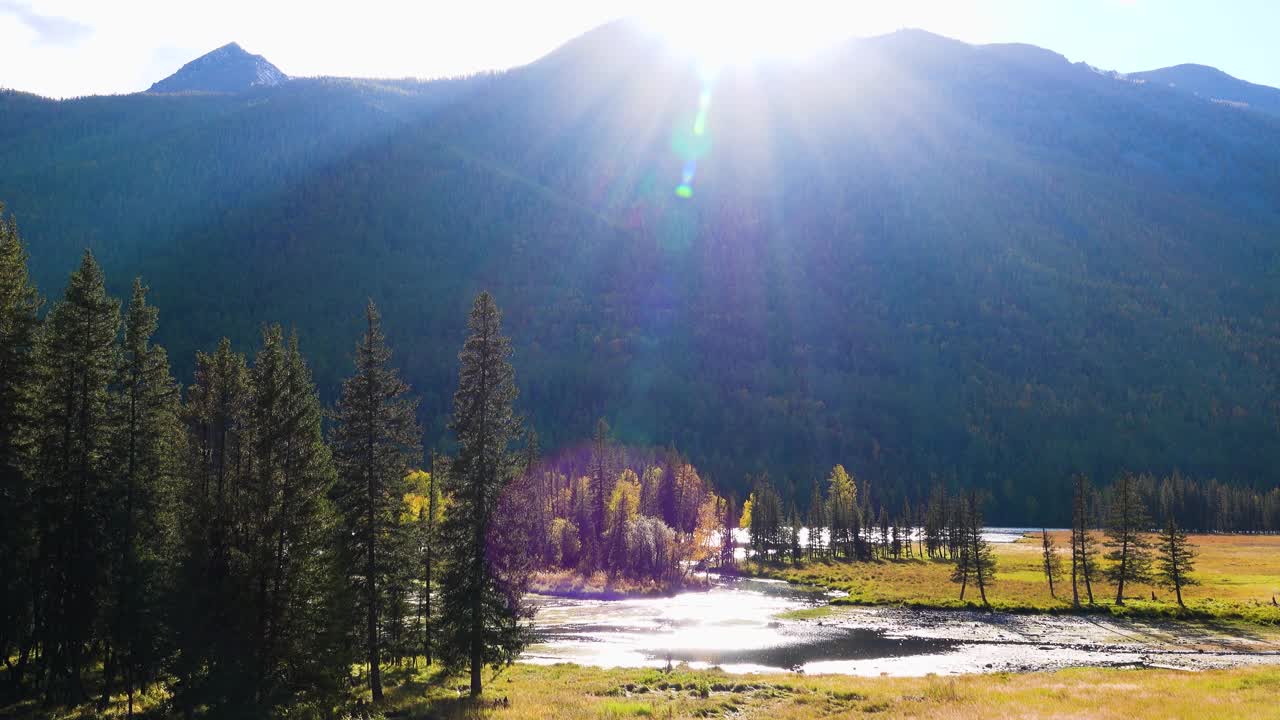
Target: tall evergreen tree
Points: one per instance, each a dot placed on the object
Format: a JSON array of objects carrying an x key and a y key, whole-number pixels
[
  {"x": 1175, "y": 559},
  {"x": 794, "y": 526},
  {"x": 1128, "y": 550},
  {"x": 208, "y": 603},
  {"x": 19, "y": 305},
  {"x": 883, "y": 538},
  {"x": 817, "y": 521},
  {"x": 1083, "y": 546},
  {"x": 728, "y": 523},
  {"x": 481, "y": 608},
  {"x": 78, "y": 358},
  {"x": 261, "y": 559},
  {"x": 905, "y": 522},
  {"x": 601, "y": 489},
  {"x": 977, "y": 562},
  {"x": 293, "y": 475},
  {"x": 140, "y": 502},
  {"x": 1050, "y": 561},
  {"x": 290, "y": 564},
  {"x": 376, "y": 442},
  {"x": 935, "y": 522}
]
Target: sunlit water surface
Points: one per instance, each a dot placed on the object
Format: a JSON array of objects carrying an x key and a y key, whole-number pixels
[{"x": 735, "y": 626}]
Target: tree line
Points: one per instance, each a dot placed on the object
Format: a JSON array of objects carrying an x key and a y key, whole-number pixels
[
  {"x": 1131, "y": 554},
  {"x": 845, "y": 523},
  {"x": 219, "y": 541},
  {"x": 633, "y": 514}
]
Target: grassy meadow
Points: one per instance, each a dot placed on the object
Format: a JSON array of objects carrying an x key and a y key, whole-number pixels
[
  {"x": 572, "y": 692},
  {"x": 569, "y": 692},
  {"x": 1239, "y": 576}
]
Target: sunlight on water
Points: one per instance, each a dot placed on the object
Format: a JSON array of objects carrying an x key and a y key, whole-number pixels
[{"x": 733, "y": 626}]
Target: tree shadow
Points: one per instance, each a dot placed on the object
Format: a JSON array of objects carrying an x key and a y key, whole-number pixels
[{"x": 433, "y": 693}]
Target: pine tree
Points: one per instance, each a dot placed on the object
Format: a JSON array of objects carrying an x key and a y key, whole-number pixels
[
  {"x": 482, "y": 609},
  {"x": 140, "y": 501},
  {"x": 1083, "y": 546},
  {"x": 268, "y": 613},
  {"x": 754, "y": 513},
  {"x": 78, "y": 358},
  {"x": 292, "y": 530},
  {"x": 817, "y": 521},
  {"x": 793, "y": 536},
  {"x": 767, "y": 520},
  {"x": 376, "y": 442},
  {"x": 1129, "y": 551},
  {"x": 955, "y": 526},
  {"x": 19, "y": 305},
  {"x": 208, "y": 602},
  {"x": 883, "y": 539},
  {"x": 905, "y": 521},
  {"x": 1050, "y": 560},
  {"x": 728, "y": 523},
  {"x": 895, "y": 540},
  {"x": 1175, "y": 559},
  {"x": 601, "y": 488},
  {"x": 962, "y": 573},
  {"x": 935, "y": 522},
  {"x": 975, "y": 560}
]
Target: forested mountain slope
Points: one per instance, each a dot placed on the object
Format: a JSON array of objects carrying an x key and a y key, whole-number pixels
[
  {"x": 924, "y": 259},
  {"x": 1214, "y": 85}
]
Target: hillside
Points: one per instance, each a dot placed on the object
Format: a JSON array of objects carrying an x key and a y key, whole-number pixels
[
  {"x": 1214, "y": 85},
  {"x": 925, "y": 259}
]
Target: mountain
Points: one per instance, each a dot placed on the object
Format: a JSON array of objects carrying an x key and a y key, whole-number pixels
[
  {"x": 928, "y": 260},
  {"x": 1213, "y": 84},
  {"x": 229, "y": 69}
]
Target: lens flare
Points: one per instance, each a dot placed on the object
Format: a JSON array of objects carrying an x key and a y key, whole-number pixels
[{"x": 697, "y": 142}]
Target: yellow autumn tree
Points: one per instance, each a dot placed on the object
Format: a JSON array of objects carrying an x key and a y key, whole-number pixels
[
  {"x": 745, "y": 521},
  {"x": 624, "y": 503}
]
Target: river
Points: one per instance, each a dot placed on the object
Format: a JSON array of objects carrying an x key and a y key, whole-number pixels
[{"x": 735, "y": 626}]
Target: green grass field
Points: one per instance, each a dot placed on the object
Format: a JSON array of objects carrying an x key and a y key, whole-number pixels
[
  {"x": 1239, "y": 576},
  {"x": 569, "y": 692},
  {"x": 572, "y": 692}
]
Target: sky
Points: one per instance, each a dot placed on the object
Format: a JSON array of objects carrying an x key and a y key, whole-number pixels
[{"x": 65, "y": 48}]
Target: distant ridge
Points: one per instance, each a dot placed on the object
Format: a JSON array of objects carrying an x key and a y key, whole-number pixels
[
  {"x": 1212, "y": 84},
  {"x": 228, "y": 69}
]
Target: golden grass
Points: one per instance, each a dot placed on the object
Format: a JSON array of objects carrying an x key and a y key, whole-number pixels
[
  {"x": 1239, "y": 575},
  {"x": 571, "y": 692}
]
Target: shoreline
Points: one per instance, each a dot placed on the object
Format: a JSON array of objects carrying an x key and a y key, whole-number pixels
[
  {"x": 1239, "y": 574},
  {"x": 574, "y": 585},
  {"x": 1135, "y": 609}
]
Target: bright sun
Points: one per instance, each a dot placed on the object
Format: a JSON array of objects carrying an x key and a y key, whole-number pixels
[{"x": 726, "y": 33}]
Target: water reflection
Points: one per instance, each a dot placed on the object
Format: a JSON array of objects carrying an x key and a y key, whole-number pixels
[{"x": 733, "y": 625}]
